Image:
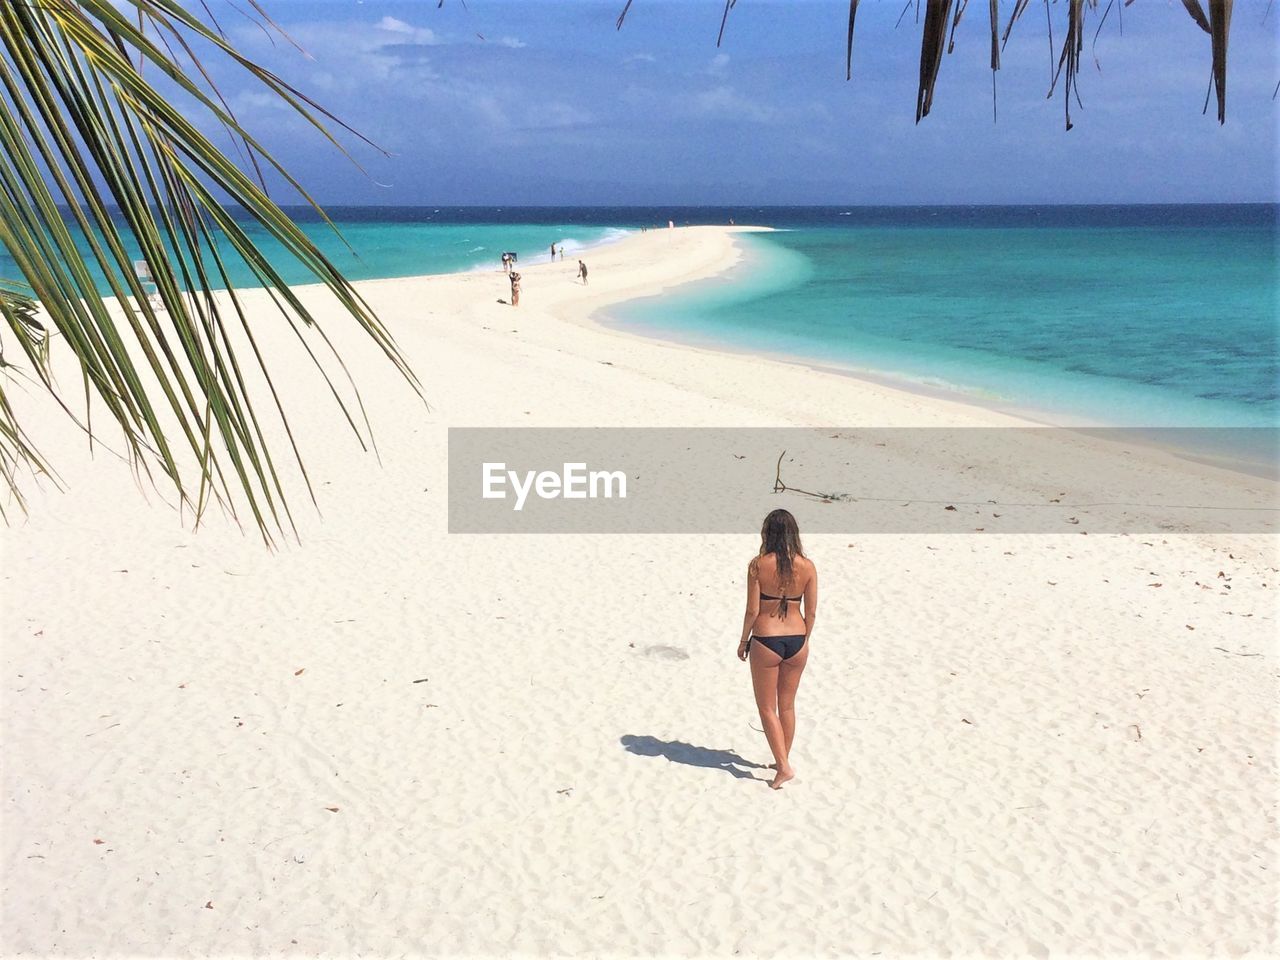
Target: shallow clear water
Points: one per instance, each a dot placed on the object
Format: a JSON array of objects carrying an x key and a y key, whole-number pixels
[
  {"x": 1132, "y": 323},
  {"x": 379, "y": 242}
]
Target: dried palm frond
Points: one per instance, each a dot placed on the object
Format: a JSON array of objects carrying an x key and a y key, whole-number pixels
[
  {"x": 939, "y": 29},
  {"x": 1072, "y": 47},
  {"x": 728, "y": 5},
  {"x": 1217, "y": 24},
  {"x": 1219, "y": 28},
  {"x": 848, "y": 57},
  {"x": 933, "y": 36}
]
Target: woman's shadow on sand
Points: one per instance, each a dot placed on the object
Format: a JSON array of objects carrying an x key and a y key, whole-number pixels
[{"x": 676, "y": 751}]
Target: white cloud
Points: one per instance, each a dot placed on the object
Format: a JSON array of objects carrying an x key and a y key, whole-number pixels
[
  {"x": 352, "y": 55},
  {"x": 407, "y": 33},
  {"x": 718, "y": 63},
  {"x": 482, "y": 105},
  {"x": 554, "y": 116},
  {"x": 640, "y": 58},
  {"x": 512, "y": 42},
  {"x": 727, "y": 103}
]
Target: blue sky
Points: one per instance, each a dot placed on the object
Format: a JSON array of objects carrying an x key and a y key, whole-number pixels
[{"x": 544, "y": 102}]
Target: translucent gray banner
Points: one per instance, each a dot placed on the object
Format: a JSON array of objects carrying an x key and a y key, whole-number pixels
[{"x": 864, "y": 480}]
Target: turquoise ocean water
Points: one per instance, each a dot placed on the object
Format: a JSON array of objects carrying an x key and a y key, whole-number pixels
[
  {"x": 1136, "y": 316},
  {"x": 1125, "y": 320},
  {"x": 378, "y": 242}
]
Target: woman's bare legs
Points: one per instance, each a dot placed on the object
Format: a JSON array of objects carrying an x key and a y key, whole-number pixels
[
  {"x": 788, "y": 681},
  {"x": 765, "y": 681},
  {"x": 775, "y": 681}
]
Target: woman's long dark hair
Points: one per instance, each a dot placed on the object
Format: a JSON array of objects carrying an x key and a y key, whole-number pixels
[{"x": 780, "y": 535}]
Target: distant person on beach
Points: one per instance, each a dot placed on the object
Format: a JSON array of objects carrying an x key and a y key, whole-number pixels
[
  {"x": 582, "y": 272},
  {"x": 506, "y": 263},
  {"x": 562, "y": 253},
  {"x": 515, "y": 289},
  {"x": 775, "y": 631}
]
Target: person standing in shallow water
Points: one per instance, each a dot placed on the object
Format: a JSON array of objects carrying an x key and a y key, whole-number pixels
[{"x": 776, "y": 629}]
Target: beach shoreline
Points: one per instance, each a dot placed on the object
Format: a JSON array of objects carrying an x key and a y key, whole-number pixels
[{"x": 1257, "y": 461}]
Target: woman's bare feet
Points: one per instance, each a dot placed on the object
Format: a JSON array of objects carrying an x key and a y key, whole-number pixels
[{"x": 783, "y": 776}]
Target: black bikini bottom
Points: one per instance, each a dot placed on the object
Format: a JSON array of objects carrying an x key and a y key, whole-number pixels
[{"x": 785, "y": 647}]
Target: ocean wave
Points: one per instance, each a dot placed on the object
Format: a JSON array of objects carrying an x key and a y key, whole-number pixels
[{"x": 610, "y": 235}]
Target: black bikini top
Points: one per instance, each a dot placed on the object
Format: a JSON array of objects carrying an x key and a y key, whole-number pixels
[{"x": 782, "y": 607}]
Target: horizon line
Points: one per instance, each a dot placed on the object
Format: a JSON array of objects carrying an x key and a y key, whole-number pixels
[{"x": 791, "y": 206}]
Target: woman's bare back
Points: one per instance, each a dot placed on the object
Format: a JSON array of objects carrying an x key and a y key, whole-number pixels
[{"x": 769, "y": 622}]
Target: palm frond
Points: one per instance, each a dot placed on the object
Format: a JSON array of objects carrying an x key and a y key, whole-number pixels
[
  {"x": 728, "y": 5},
  {"x": 623, "y": 15},
  {"x": 936, "y": 37},
  {"x": 848, "y": 55},
  {"x": 96, "y": 157},
  {"x": 961, "y": 6},
  {"x": 1219, "y": 28},
  {"x": 20, "y": 313},
  {"x": 933, "y": 36},
  {"x": 1072, "y": 48},
  {"x": 1217, "y": 25},
  {"x": 994, "y": 17},
  {"x": 1197, "y": 14},
  {"x": 1019, "y": 7}
]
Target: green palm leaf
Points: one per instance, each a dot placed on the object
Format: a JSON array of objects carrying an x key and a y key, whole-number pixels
[{"x": 93, "y": 155}]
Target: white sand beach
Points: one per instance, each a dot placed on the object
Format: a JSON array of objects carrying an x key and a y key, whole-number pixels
[{"x": 386, "y": 740}]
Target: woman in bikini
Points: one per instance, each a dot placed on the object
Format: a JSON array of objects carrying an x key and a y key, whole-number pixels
[{"x": 779, "y": 579}]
